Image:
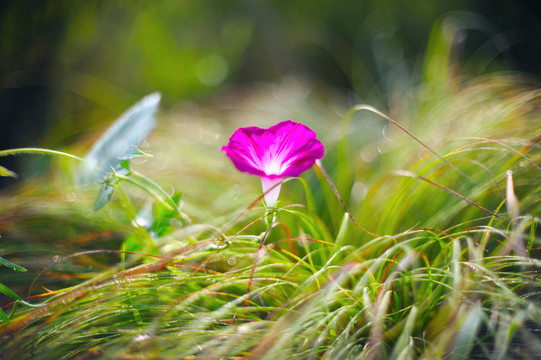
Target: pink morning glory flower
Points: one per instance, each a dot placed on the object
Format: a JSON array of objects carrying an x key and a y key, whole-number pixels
[{"x": 285, "y": 149}]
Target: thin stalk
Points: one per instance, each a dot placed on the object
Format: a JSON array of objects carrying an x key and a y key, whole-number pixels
[
  {"x": 39, "y": 151},
  {"x": 148, "y": 191},
  {"x": 130, "y": 211},
  {"x": 376, "y": 111},
  {"x": 331, "y": 184},
  {"x": 256, "y": 258},
  {"x": 166, "y": 197}
]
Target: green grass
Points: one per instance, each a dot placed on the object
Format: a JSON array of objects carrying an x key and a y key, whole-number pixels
[{"x": 435, "y": 259}]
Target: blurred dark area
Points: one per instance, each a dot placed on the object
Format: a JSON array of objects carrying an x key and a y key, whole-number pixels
[{"x": 67, "y": 68}]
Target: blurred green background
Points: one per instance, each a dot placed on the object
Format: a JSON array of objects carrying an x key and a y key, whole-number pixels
[{"x": 69, "y": 67}]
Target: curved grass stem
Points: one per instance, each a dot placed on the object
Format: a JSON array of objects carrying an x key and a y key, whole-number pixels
[
  {"x": 156, "y": 191},
  {"x": 331, "y": 184},
  {"x": 39, "y": 151},
  {"x": 386, "y": 117}
]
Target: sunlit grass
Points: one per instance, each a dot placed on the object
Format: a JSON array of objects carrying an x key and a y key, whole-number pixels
[{"x": 434, "y": 258}]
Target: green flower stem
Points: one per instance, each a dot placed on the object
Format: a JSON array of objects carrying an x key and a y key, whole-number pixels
[
  {"x": 268, "y": 212},
  {"x": 39, "y": 151},
  {"x": 169, "y": 202},
  {"x": 3, "y": 317},
  {"x": 130, "y": 210},
  {"x": 146, "y": 189},
  {"x": 155, "y": 191},
  {"x": 158, "y": 192}
]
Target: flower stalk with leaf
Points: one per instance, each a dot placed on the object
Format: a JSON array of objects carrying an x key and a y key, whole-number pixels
[{"x": 286, "y": 149}]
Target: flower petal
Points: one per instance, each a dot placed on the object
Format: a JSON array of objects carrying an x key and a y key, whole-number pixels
[
  {"x": 285, "y": 149},
  {"x": 272, "y": 195}
]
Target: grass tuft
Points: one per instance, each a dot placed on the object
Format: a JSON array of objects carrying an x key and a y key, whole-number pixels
[{"x": 429, "y": 248}]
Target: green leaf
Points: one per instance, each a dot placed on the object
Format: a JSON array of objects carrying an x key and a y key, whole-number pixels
[
  {"x": 132, "y": 153},
  {"x": 5, "y": 290},
  {"x": 106, "y": 191},
  {"x": 3, "y": 316},
  {"x": 11, "y": 265},
  {"x": 120, "y": 141},
  {"x": 161, "y": 225},
  {"x": 437, "y": 58},
  {"x": 466, "y": 336},
  {"x": 125, "y": 164},
  {"x": 141, "y": 243},
  {"x": 176, "y": 198},
  {"x": 7, "y": 173}
]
